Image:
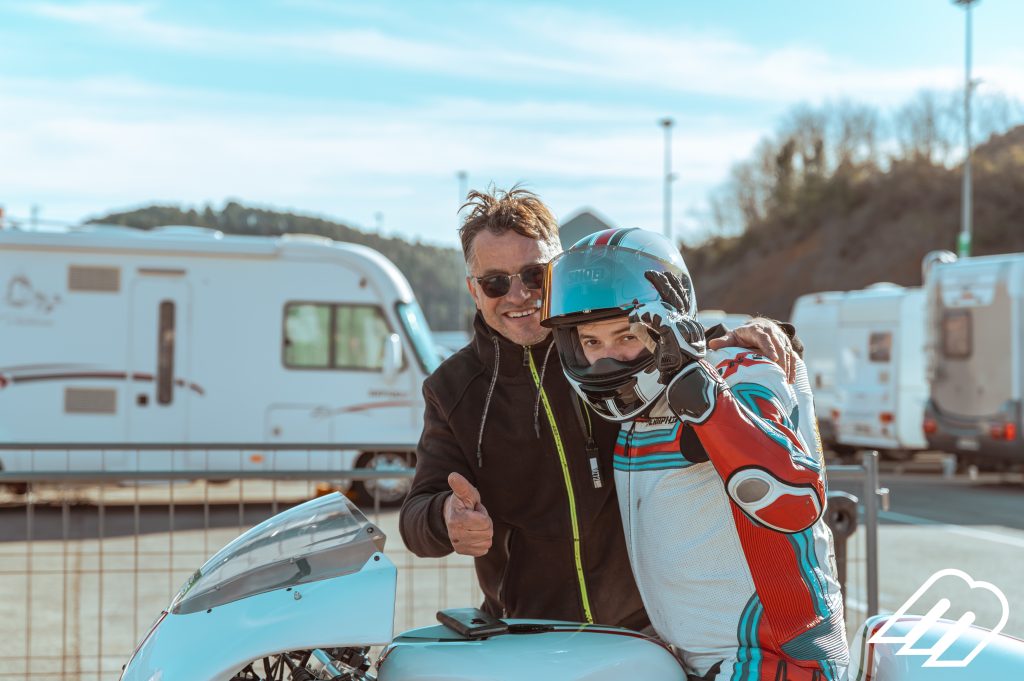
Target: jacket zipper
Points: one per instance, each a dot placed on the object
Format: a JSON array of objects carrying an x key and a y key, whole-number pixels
[{"x": 576, "y": 543}]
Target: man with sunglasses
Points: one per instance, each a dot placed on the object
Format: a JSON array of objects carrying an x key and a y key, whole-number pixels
[{"x": 511, "y": 467}]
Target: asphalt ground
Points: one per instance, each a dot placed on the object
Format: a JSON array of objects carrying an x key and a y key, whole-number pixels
[{"x": 975, "y": 526}]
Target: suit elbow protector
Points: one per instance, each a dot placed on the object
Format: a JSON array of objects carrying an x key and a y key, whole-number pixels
[{"x": 772, "y": 502}]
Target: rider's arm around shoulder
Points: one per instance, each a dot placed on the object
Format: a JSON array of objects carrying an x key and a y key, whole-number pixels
[{"x": 747, "y": 416}]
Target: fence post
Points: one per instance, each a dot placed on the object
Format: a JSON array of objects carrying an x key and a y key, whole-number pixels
[{"x": 873, "y": 497}]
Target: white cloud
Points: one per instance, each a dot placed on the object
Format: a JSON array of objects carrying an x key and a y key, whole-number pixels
[
  {"x": 96, "y": 144},
  {"x": 132, "y": 21},
  {"x": 541, "y": 45},
  {"x": 87, "y": 145}
]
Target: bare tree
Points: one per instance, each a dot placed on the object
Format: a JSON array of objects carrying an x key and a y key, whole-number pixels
[
  {"x": 855, "y": 133},
  {"x": 807, "y": 127},
  {"x": 924, "y": 127}
]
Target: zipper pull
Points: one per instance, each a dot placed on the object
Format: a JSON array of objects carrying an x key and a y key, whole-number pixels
[{"x": 595, "y": 470}]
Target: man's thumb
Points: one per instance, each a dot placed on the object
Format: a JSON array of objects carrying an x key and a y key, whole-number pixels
[{"x": 465, "y": 491}]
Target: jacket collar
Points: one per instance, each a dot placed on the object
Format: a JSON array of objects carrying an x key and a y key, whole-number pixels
[{"x": 512, "y": 354}]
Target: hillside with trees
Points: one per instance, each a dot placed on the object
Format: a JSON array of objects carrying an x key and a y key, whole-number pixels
[
  {"x": 840, "y": 199},
  {"x": 436, "y": 274}
]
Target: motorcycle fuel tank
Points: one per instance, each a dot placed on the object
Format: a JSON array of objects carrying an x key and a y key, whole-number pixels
[{"x": 559, "y": 651}]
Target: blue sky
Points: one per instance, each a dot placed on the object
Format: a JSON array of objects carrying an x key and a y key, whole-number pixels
[{"x": 350, "y": 109}]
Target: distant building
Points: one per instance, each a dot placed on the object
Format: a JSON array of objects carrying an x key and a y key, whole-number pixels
[{"x": 586, "y": 221}]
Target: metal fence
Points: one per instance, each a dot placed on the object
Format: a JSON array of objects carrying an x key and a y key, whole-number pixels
[
  {"x": 873, "y": 497},
  {"x": 88, "y": 559}
]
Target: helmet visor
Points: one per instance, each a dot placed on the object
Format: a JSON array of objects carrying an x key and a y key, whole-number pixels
[{"x": 592, "y": 280}]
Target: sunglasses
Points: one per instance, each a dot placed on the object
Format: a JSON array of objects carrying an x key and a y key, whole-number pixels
[{"x": 498, "y": 285}]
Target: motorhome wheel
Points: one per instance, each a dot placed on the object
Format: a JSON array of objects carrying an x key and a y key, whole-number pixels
[
  {"x": 391, "y": 492},
  {"x": 17, "y": 488}
]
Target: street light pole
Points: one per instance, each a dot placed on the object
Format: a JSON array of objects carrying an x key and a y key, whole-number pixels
[
  {"x": 964, "y": 240},
  {"x": 667, "y": 201}
]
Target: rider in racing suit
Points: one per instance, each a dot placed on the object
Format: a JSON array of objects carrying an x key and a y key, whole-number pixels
[{"x": 718, "y": 467}]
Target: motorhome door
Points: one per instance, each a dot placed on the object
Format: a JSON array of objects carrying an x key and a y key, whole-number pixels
[
  {"x": 867, "y": 397},
  {"x": 160, "y": 385}
]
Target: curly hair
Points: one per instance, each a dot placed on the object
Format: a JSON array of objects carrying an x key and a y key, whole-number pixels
[{"x": 499, "y": 211}]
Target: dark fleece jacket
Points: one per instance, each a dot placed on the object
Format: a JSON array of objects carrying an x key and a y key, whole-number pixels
[{"x": 530, "y": 570}]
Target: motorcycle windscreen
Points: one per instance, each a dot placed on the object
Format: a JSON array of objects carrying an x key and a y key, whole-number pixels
[{"x": 323, "y": 538}]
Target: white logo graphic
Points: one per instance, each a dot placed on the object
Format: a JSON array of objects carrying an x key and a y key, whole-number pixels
[{"x": 952, "y": 634}]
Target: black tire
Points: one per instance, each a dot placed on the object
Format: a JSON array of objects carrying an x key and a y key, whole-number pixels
[
  {"x": 846, "y": 454},
  {"x": 392, "y": 492},
  {"x": 900, "y": 455},
  {"x": 16, "y": 488}
]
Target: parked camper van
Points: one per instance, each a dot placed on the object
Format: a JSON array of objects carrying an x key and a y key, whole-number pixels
[
  {"x": 881, "y": 387},
  {"x": 976, "y": 359},
  {"x": 185, "y": 335},
  {"x": 816, "y": 317},
  {"x": 865, "y": 352}
]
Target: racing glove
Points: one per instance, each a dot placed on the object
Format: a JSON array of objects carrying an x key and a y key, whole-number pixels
[{"x": 679, "y": 340}]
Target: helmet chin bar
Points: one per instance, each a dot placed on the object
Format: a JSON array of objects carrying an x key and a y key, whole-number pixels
[
  {"x": 623, "y": 403},
  {"x": 617, "y": 391}
]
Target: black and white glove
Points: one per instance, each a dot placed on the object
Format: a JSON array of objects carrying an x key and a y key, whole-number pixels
[{"x": 679, "y": 339}]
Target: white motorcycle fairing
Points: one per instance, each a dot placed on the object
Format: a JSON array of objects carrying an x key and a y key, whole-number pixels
[
  {"x": 312, "y": 576},
  {"x": 354, "y": 609}
]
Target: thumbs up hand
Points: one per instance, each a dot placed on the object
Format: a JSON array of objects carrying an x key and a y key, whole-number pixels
[{"x": 469, "y": 526}]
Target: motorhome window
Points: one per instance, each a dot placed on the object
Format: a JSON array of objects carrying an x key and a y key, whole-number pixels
[
  {"x": 94, "y": 279},
  {"x": 307, "y": 337},
  {"x": 880, "y": 346},
  {"x": 956, "y": 334},
  {"x": 359, "y": 335},
  {"x": 165, "y": 354},
  {"x": 422, "y": 340}
]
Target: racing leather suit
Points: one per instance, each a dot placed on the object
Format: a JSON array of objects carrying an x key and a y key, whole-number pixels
[{"x": 723, "y": 516}]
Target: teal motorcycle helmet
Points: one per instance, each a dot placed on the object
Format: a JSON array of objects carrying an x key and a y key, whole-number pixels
[{"x": 603, "y": 277}]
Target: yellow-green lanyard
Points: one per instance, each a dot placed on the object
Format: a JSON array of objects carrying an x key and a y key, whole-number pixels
[{"x": 568, "y": 488}]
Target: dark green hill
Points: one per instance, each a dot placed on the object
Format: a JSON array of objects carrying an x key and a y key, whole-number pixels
[
  {"x": 858, "y": 227},
  {"x": 436, "y": 274}
]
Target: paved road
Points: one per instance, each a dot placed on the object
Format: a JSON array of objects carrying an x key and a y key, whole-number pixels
[{"x": 976, "y": 526}]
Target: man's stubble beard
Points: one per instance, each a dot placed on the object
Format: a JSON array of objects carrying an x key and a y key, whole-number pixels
[{"x": 539, "y": 337}]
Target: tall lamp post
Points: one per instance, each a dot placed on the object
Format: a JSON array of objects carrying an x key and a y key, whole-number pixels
[
  {"x": 667, "y": 123},
  {"x": 964, "y": 240}
]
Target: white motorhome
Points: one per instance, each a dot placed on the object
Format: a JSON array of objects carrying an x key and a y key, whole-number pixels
[
  {"x": 184, "y": 335},
  {"x": 816, "y": 317},
  {"x": 976, "y": 359},
  {"x": 881, "y": 385},
  {"x": 865, "y": 353}
]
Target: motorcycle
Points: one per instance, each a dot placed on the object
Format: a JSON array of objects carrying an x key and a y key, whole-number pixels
[{"x": 304, "y": 596}]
